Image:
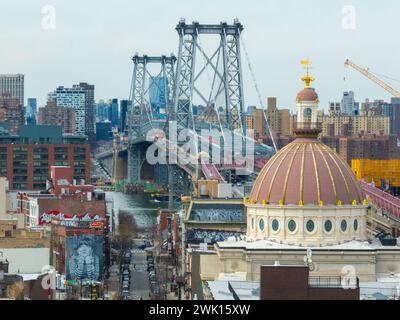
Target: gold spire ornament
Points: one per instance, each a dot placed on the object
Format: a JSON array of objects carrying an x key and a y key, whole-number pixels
[{"x": 307, "y": 78}]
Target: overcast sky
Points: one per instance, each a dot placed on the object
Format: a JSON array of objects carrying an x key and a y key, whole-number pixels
[{"x": 93, "y": 41}]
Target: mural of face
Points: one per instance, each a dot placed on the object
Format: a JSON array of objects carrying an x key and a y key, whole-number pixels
[
  {"x": 84, "y": 250},
  {"x": 84, "y": 257}
]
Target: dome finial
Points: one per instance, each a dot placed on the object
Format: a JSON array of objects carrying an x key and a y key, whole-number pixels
[{"x": 307, "y": 78}]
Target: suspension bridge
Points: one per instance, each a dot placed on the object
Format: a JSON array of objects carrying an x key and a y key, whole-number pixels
[{"x": 206, "y": 74}]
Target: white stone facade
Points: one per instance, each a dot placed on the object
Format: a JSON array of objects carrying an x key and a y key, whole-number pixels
[{"x": 306, "y": 225}]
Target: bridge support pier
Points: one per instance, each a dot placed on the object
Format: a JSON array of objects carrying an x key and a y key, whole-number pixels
[
  {"x": 135, "y": 158},
  {"x": 179, "y": 183}
]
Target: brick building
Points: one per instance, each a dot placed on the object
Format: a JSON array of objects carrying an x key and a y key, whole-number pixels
[
  {"x": 11, "y": 112},
  {"x": 25, "y": 159},
  {"x": 13, "y": 84},
  {"x": 294, "y": 283},
  {"x": 51, "y": 114},
  {"x": 167, "y": 234},
  {"x": 64, "y": 199},
  {"x": 373, "y": 146},
  {"x": 66, "y": 238},
  {"x": 278, "y": 119}
]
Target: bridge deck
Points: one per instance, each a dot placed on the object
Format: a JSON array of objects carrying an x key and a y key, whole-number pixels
[{"x": 382, "y": 199}]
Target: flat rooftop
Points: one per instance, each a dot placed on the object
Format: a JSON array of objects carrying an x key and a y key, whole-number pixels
[
  {"x": 387, "y": 287},
  {"x": 272, "y": 245}
]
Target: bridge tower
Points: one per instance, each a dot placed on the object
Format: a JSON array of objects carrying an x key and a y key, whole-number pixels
[
  {"x": 143, "y": 115},
  {"x": 224, "y": 70}
]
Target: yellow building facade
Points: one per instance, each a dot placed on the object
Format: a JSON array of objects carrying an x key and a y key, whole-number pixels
[{"x": 377, "y": 170}]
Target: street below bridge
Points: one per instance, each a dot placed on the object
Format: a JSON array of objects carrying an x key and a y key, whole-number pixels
[{"x": 139, "y": 276}]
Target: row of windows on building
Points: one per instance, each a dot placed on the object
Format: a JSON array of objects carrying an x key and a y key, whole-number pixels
[
  {"x": 310, "y": 225},
  {"x": 44, "y": 171},
  {"x": 24, "y": 156},
  {"x": 24, "y": 186},
  {"x": 44, "y": 150}
]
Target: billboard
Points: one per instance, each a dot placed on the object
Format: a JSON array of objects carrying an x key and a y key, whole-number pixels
[
  {"x": 84, "y": 257},
  {"x": 45, "y": 217}
]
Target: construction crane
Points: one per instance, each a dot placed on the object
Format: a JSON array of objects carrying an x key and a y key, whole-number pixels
[{"x": 372, "y": 77}]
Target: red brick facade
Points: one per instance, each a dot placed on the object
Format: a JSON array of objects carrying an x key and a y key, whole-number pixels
[{"x": 27, "y": 166}]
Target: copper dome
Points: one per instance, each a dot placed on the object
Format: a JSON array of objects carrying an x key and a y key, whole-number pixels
[
  {"x": 306, "y": 172},
  {"x": 307, "y": 94}
]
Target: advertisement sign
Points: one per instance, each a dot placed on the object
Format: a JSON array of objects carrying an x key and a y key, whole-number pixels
[
  {"x": 45, "y": 218},
  {"x": 84, "y": 257},
  {"x": 72, "y": 223}
]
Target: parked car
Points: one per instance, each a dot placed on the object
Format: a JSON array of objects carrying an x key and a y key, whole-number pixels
[
  {"x": 154, "y": 286},
  {"x": 150, "y": 267},
  {"x": 125, "y": 283},
  {"x": 150, "y": 260},
  {"x": 149, "y": 252},
  {"x": 153, "y": 277},
  {"x": 156, "y": 291}
]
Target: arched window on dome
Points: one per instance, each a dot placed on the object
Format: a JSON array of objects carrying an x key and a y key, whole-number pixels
[
  {"x": 310, "y": 226},
  {"x": 355, "y": 225},
  {"x": 261, "y": 224},
  {"x": 343, "y": 225},
  {"x": 307, "y": 114},
  {"x": 275, "y": 225},
  {"x": 292, "y": 226},
  {"x": 328, "y": 226}
]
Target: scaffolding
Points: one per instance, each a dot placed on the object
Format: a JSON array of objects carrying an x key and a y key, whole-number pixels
[{"x": 380, "y": 172}]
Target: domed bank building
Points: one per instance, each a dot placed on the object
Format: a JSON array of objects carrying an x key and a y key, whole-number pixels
[{"x": 306, "y": 207}]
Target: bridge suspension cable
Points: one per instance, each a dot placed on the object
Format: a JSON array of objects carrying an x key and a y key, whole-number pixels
[{"x": 258, "y": 93}]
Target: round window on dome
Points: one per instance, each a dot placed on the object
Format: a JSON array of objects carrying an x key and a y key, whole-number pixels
[
  {"x": 292, "y": 225},
  {"x": 355, "y": 224},
  {"x": 275, "y": 225},
  {"x": 328, "y": 226},
  {"x": 310, "y": 226},
  {"x": 261, "y": 224},
  {"x": 343, "y": 225}
]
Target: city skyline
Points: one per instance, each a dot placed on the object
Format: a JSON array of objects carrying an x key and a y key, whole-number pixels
[
  {"x": 97, "y": 48},
  {"x": 194, "y": 151}
]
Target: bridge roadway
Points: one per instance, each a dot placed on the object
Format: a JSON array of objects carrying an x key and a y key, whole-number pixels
[
  {"x": 382, "y": 199},
  {"x": 188, "y": 162}
]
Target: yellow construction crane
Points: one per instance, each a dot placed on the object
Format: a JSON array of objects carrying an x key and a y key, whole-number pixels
[{"x": 372, "y": 77}]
